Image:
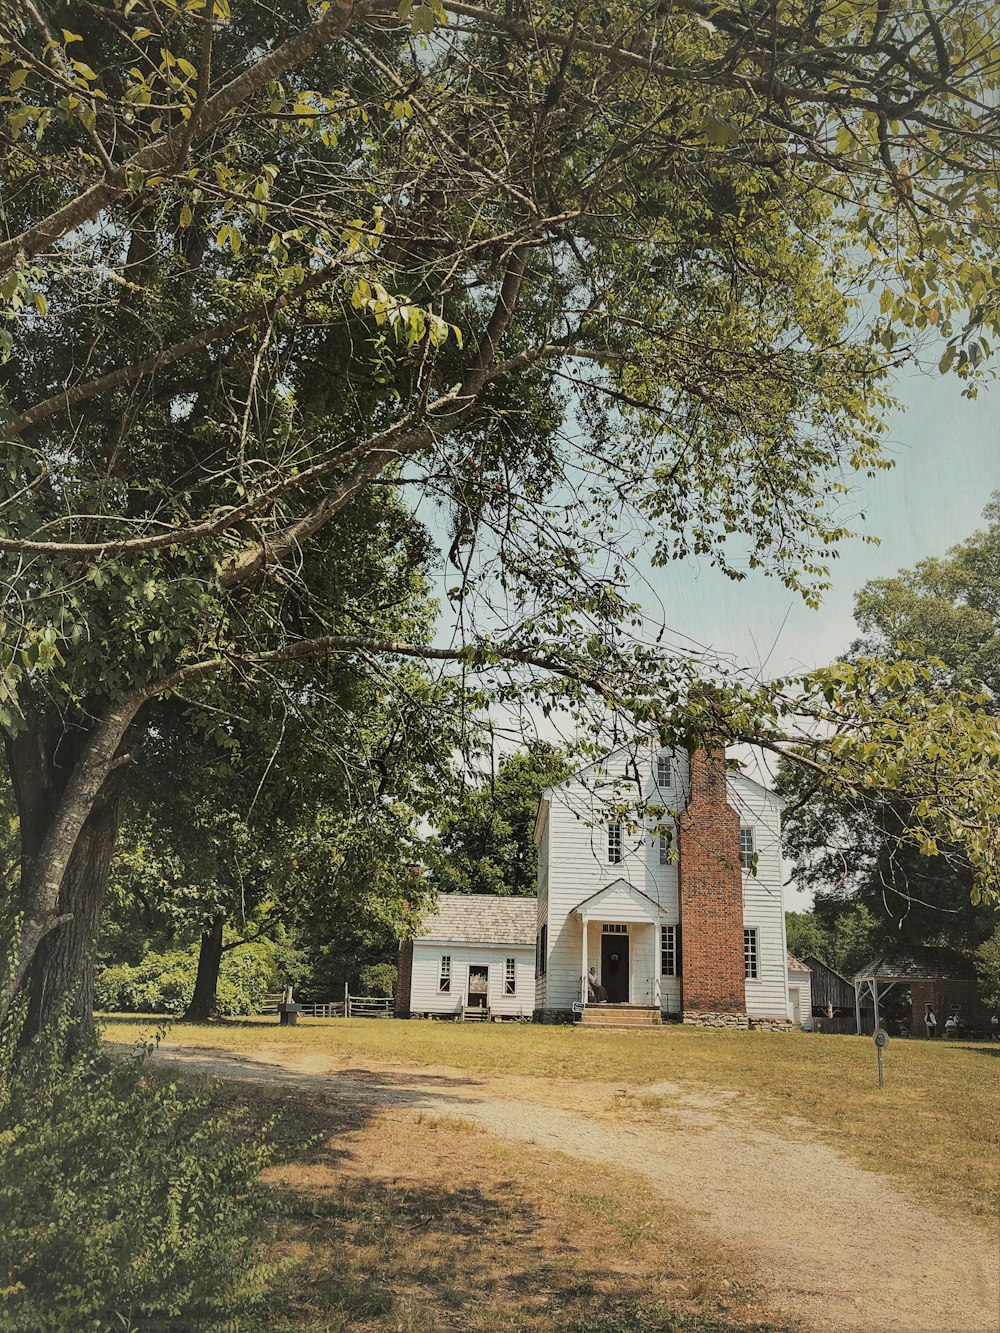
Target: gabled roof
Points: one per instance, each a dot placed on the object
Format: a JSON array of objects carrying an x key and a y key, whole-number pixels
[
  {"x": 481, "y": 918},
  {"x": 793, "y": 963},
  {"x": 643, "y": 898}
]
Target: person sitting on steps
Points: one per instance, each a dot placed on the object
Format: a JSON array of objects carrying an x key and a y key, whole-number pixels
[{"x": 595, "y": 991}]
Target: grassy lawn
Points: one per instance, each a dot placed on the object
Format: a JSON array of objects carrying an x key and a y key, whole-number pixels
[
  {"x": 935, "y": 1128},
  {"x": 387, "y": 1223}
]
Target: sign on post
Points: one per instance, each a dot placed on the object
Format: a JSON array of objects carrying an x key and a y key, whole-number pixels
[{"x": 881, "y": 1040}]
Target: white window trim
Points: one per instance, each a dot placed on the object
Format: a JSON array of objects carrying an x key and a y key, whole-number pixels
[
  {"x": 664, "y": 768},
  {"x": 510, "y": 977},
  {"x": 444, "y": 975},
  {"x": 748, "y": 846},
  {"x": 616, "y": 843},
  {"x": 751, "y": 953},
  {"x": 668, "y": 933},
  {"x": 664, "y": 851}
]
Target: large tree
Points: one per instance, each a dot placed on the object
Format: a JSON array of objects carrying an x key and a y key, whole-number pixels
[
  {"x": 854, "y": 846},
  {"x": 586, "y": 275}
]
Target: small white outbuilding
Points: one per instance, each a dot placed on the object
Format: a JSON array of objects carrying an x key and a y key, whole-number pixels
[{"x": 475, "y": 951}]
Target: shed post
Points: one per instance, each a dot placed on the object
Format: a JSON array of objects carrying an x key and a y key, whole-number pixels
[
  {"x": 347, "y": 1000},
  {"x": 857, "y": 1008}
]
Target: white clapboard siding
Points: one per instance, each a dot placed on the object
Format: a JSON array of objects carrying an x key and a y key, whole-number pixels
[
  {"x": 575, "y": 840},
  {"x": 573, "y": 865},
  {"x": 426, "y": 998},
  {"x": 763, "y": 907},
  {"x": 802, "y": 982}
]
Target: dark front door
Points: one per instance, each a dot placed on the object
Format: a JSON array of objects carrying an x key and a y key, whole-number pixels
[
  {"x": 614, "y": 967},
  {"x": 478, "y": 987}
]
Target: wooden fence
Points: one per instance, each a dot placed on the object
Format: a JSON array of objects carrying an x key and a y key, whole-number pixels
[{"x": 351, "y": 1006}]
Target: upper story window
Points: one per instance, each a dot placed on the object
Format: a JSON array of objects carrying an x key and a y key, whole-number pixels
[
  {"x": 510, "y": 977},
  {"x": 444, "y": 978},
  {"x": 664, "y": 851},
  {"x": 664, "y": 779},
  {"x": 750, "y": 960},
  {"x": 746, "y": 847},
  {"x": 616, "y": 843}
]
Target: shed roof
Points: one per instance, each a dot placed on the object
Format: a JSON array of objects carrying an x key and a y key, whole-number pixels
[
  {"x": 931, "y": 964},
  {"x": 794, "y": 965},
  {"x": 482, "y": 918}
]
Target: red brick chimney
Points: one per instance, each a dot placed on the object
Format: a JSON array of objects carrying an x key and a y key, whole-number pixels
[{"x": 711, "y": 893}]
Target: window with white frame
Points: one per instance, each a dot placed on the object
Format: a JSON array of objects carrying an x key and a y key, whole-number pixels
[
  {"x": 444, "y": 977},
  {"x": 670, "y": 942},
  {"x": 613, "y": 928},
  {"x": 664, "y": 851},
  {"x": 664, "y": 777},
  {"x": 750, "y": 959},
  {"x": 510, "y": 977},
  {"x": 616, "y": 843},
  {"x": 746, "y": 847}
]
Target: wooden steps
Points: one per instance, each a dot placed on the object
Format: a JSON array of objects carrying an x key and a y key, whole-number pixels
[
  {"x": 630, "y": 1016},
  {"x": 475, "y": 1013}
]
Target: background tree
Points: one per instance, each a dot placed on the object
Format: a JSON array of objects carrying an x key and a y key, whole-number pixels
[
  {"x": 585, "y": 276},
  {"x": 485, "y": 841},
  {"x": 854, "y": 849}
]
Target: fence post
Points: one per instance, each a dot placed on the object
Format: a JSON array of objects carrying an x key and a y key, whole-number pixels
[{"x": 347, "y": 1001}]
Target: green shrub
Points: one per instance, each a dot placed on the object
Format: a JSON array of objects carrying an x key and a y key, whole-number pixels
[
  {"x": 124, "y": 1205},
  {"x": 163, "y": 983},
  {"x": 378, "y": 979}
]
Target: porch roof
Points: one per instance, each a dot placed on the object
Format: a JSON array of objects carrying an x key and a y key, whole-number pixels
[{"x": 621, "y": 899}]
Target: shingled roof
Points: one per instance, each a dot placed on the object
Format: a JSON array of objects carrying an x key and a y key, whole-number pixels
[
  {"x": 481, "y": 918},
  {"x": 794, "y": 965}
]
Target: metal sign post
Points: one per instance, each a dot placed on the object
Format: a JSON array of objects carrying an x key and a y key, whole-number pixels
[{"x": 881, "y": 1040}]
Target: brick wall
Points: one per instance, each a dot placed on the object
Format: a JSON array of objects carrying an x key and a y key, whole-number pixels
[
  {"x": 404, "y": 976},
  {"x": 944, "y": 995},
  {"x": 711, "y": 894}
]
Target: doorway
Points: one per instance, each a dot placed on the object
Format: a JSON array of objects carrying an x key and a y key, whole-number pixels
[
  {"x": 479, "y": 986},
  {"x": 614, "y": 967}
]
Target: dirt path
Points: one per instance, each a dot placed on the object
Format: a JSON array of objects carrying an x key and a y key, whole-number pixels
[{"x": 839, "y": 1247}]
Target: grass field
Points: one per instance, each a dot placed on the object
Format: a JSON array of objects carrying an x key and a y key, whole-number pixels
[{"x": 935, "y": 1128}]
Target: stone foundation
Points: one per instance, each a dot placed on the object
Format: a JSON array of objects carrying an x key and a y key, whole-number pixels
[
  {"x": 708, "y": 1020},
  {"x": 553, "y": 1016},
  {"x": 772, "y": 1025}
]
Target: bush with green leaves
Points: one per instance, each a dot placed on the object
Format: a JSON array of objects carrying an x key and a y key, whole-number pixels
[
  {"x": 125, "y": 1205},
  {"x": 162, "y": 983},
  {"x": 988, "y": 969},
  {"x": 378, "y": 979}
]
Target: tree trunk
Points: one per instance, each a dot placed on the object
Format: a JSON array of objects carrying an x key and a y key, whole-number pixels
[
  {"x": 54, "y": 970},
  {"x": 60, "y": 976},
  {"x": 204, "y": 1002}
]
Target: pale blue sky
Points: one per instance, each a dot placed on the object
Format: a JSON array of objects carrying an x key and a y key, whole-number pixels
[{"x": 947, "y": 454}]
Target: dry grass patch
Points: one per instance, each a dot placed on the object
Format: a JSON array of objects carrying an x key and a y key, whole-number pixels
[
  {"x": 403, "y": 1222},
  {"x": 934, "y": 1128}
]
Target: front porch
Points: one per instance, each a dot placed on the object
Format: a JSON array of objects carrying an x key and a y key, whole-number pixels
[{"x": 621, "y": 959}]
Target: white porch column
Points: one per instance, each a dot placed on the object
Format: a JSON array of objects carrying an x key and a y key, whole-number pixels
[
  {"x": 657, "y": 965},
  {"x": 583, "y": 979}
]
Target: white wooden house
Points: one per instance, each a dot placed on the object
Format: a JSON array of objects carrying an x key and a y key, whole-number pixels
[
  {"x": 475, "y": 951},
  {"x": 681, "y": 913}
]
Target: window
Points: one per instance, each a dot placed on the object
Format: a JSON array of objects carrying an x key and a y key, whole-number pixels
[
  {"x": 664, "y": 779},
  {"x": 664, "y": 851},
  {"x": 444, "y": 980},
  {"x": 613, "y": 928},
  {"x": 541, "y": 949},
  {"x": 750, "y": 954},
  {"x": 746, "y": 847},
  {"x": 670, "y": 951},
  {"x": 510, "y": 977},
  {"x": 614, "y": 843}
]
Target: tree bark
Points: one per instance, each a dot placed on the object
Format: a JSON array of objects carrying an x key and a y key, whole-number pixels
[
  {"x": 204, "y": 1001},
  {"x": 60, "y": 977}
]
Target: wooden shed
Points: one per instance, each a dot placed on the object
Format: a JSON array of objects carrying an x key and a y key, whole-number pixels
[{"x": 833, "y": 1000}]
